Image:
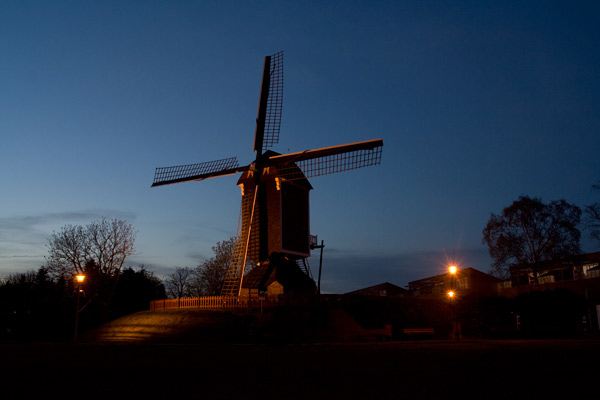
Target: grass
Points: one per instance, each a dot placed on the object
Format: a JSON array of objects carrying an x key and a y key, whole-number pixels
[
  {"x": 182, "y": 355},
  {"x": 424, "y": 370}
]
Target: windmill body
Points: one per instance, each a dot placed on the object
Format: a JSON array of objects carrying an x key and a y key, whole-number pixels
[
  {"x": 281, "y": 222},
  {"x": 274, "y": 225}
]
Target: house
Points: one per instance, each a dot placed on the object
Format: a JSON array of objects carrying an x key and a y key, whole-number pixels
[
  {"x": 574, "y": 268},
  {"x": 468, "y": 280},
  {"x": 579, "y": 274}
]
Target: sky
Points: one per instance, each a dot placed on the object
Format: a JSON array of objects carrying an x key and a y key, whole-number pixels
[{"x": 477, "y": 103}]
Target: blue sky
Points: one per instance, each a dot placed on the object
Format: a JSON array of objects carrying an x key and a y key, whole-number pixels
[{"x": 477, "y": 103}]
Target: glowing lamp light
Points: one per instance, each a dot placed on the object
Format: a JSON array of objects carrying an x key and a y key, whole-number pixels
[
  {"x": 453, "y": 269},
  {"x": 451, "y": 294},
  {"x": 80, "y": 278}
]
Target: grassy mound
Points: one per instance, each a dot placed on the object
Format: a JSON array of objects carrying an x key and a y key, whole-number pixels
[{"x": 281, "y": 325}]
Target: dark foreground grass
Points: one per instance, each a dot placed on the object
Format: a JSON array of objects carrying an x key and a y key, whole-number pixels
[{"x": 396, "y": 370}]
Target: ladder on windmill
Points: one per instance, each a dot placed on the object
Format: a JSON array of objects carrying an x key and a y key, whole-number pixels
[{"x": 237, "y": 262}]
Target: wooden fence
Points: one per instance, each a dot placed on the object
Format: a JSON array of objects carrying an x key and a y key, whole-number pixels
[{"x": 215, "y": 302}]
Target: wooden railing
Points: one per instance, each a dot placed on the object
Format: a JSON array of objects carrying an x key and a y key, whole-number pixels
[{"x": 215, "y": 302}]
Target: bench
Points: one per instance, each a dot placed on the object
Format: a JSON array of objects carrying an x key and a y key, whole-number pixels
[
  {"x": 418, "y": 331},
  {"x": 380, "y": 335}
]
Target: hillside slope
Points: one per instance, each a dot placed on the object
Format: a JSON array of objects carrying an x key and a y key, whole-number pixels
[{"x": 202, "y": 326}]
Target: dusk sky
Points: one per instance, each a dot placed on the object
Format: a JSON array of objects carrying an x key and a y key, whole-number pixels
[{"x": 477, "y": 102}]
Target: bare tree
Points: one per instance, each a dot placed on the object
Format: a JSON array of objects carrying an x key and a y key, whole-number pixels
[
  {"x": 99, "y": 250},
  {"x": 205, "y": 280},
  {"x": 211, "y": 274},
  {"x": 529, "y": 232},
  {"x": 111, "y": 242},
  {"x": 68, "y": 250},
  {"x": 105, "y": 242},
  {"x": 179, "y": 283}
]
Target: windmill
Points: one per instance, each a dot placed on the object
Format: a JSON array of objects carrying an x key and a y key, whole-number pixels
[{"x": 274, "y": 219}]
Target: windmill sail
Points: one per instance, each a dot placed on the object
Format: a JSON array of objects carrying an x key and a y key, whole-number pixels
[
  {"x": 328, "y": 160},
  {"x": 270, "y": 105},
  {"x": 196, "y": 172},
  {"x": 275, "y": 102}
]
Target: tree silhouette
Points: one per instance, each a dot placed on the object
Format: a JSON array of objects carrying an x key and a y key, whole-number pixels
[
  {"x": 135, "y": 290},
  {"x": 179, "y": 283},
  {"x": 97, "y": 250},
  {"x": 529, "y": 232},
  {"x": 106, "y": 242},
  {"x": 36, "y": 306},
  {"x": 211, "y": 274}
]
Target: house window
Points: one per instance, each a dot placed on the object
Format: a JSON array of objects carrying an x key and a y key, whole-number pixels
[
  {"x": 463, "y": 283},
  {"x": 587, "y": 267}
]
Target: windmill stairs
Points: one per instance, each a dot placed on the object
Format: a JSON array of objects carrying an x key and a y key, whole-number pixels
[{"x": 238, "y": 260}]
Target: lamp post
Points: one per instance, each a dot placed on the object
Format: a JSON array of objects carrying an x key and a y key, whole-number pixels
[
  {"x": 453, "y": 270},
  {"x": 79, "y": 279},
  {"x": 312, "y": 247}
]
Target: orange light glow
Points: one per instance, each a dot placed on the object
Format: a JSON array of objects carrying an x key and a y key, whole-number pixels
[
  {"x": 451, "y": 294},
  {"x": 453, "y": 269},
  {"x": 80, "y": 278}
]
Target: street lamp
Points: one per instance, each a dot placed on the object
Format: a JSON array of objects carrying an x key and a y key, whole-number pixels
[
  {"x": 455, "y": 323},
  {"x": 453, "y": 270},
  {"x": 79, "y": 279}
]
